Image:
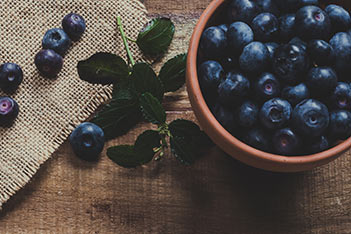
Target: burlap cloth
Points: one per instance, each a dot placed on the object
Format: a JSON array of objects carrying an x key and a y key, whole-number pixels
[{"x": 50, "y": 109}]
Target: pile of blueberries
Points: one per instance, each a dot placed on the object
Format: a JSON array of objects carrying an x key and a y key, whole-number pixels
[
  {"x": 56, "y": 42},
  {"x": 276, "y": 74}
]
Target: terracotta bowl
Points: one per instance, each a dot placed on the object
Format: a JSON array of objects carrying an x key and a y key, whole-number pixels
[{"x": 213, "y": 15}]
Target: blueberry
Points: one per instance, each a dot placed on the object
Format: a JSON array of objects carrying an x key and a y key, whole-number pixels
[
  {"x": 321, "y": 81},
  {"x": 266, "y": 87},
  {"x": 265, "y": 27},
  {"x": 287, "y": 27},
  {"x": 294, "y": 5},
  {"x": 317, "y": 144},
  {"x": 87, "y": 141},
  {"x": 275, "y": 113},
  {"x": 320, "y": 52},
  {"x": 224, "y": 27},
  {"x": 56, "y": 39},
  {"x": 213, "y": 42},
  {"x": 74, "y": 25},
  {"x": 341, "y": 97},
  {"x": 258, "y": 139},
  {"x": 229, "y": 63},
  {"x": 49, "y": 63},
  {"x": 310, "y": 118},
  {"x": 247, "y": 114},
  {"x": 271, "y": 46},
  {"x": 242, "y": 10},
  {"x": 297, "y": 41},
  {"x": 210, "y": 75},
  {"x": 224, "y": 116},
  {"x": 290, "y": 63},
  {"x": 295, "y": 94},
  {"x": 341, "y": 43},
  {"x": 239, "y": 35},
  {"x": 11, "y": 77},
  {"x": 339, "y": 17},
  {"x": 267, "y": 6},
  {"x": 286, "y": 142},
  {"x": 8, "y": 111},
  {"x": 233, "y": 88},
  {"x": 312, "y": 23},
  {"x": 340, "y": 124},
  {"x": 254, "y": 58}
]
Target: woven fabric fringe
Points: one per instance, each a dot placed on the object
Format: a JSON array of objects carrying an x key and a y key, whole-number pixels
[{"x": 50, "y": 109}]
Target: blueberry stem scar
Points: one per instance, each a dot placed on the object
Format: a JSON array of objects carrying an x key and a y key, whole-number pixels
[{"x": 124, "y": 38}]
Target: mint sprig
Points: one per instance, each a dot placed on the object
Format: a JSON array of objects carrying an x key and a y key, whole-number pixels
[{"x": 137, "y": 95}]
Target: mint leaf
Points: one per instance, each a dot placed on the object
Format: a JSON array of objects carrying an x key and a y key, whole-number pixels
[
  {"x": 103, "y": 68},
  {"x": 152, "y": 109},
  {"x": 172, "y": 74},
  {"x": 187, "y": 140},
  {"x": 156, "y": 36},
  {"x": 126, "y": 156},
  {"x": 145, "y": 80},
  {"x": 119, "y": 116},
  {"x": 147, "y": 141}
]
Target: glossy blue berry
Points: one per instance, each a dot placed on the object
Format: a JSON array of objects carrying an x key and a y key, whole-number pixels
[
  {"x": 9, "y": 110},
  {"x": 286, "y": 142},
  {"x": 310, "y": 118},
  {"x": 233, "y": 88},
  {"x": 295, "y": 94},
  {"x": 210, "y": 75},
  {"x": 87, "y": 141},
  {"x": 259, "y": 139},
  {"x": 254, "y": 58},
  {"x": 56, "y": 39},
  {"x": 341, "y": 43},
  {"x": 11, "y": 76},
  {"x": 267, "y": 6},
  {"x": 320, "y": 52},
  {"x": 213, "y": 43},
  {"x": 341, "y": 96},
  {"x": 287, "y": 27},
  {"x": 266, "y": 87},
  {"x": 247, "y": 114},
  {"x": 339, "y": 17},
  {"x": 225, "y": 116},
  {"x": 239, "y": 35},
  {"x": 271, "y": 46},
  {"x": 340, "y": 124},
  {"x": 275, "y": 113},
  {"x": 299, "y": 42},
  {"x": 49, "y": 63},
  {"x": 294, "y": 5},
  {"x": 242, "y": 10},
  {"x": 321, "y": 81},
  {"x": 74, "y": 25},
  {"x": 265, "y": 27}
]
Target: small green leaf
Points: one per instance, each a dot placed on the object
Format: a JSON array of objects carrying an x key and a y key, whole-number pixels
[
  {"x": 183, "y": 150},
  {"x": 184, "y": 128},
  {"x": 147, "y": 141},
  {"x": 156, "y": 36},
  {"x": 126, "y": 156},
  {"x": 118, "y": 117},
  {"x": 172, "y": 74},
  {"x": 103, "y": 68},
  {"x": 152, "y": 109},
  {"x": 145, "y": 80}
]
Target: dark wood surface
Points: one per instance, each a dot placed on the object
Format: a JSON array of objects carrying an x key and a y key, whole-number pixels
[{"x": 216, "y": 195}]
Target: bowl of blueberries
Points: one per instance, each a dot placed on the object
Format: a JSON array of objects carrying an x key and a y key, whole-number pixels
[{"x": 269, "y": 80}]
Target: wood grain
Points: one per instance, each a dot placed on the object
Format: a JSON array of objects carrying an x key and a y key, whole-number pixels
[{"x": 216, "y": 195}]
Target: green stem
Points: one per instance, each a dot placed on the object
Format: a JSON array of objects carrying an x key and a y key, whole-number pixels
[
  {"x": 130, "y": 39},
  {"x": 124, "y": 38}
]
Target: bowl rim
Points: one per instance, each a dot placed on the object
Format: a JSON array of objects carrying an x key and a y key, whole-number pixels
[{"x": 196, "y": 98}]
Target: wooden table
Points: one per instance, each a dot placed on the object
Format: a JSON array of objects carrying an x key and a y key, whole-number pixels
[{"x": 216, "y": 195}]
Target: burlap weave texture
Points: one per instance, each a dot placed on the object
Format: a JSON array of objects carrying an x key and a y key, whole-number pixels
[{"x": 50, "y": 109}]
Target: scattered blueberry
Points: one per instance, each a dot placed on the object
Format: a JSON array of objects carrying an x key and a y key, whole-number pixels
[
  {"x": 287, "y": 27},
  {"x": 320, "y": 52},
  {"x": 312, "y": 23},
  {"x": 49, "y": 63},
  {"x": 247, "y": 114},
  {"x": 258, "y": 139},
  {"x": 266, "y": 87},
  {"x": 317, "y": 144},
  {"x": 297, "y": 41},
  {"x": 74, "y": 25},
  {"x": 239, "y": 35},
  {"x": 341, "y": 97},
  {"x": 286, "y": 142},
  {"x": 11, "y": 77},
  {"x": 8, "y": 111},
  {"x": 265, "y": 27},
  {"x": 271, "y": 46},
  {"x": 214, "y": 42},
  {"x": 254, "y": 58},
  {"x": 210, "y": 75},
  {"x": 341, "y": 43},
  {"x": 310, "y": 118},
  {"x": 275, "y": 113},
  {"x": 321, "y": 81},
  {"x": 339, "y": 17},
  {"x": 242, "y": 10},
  {"x": 225, "y": 117},
  {"x": 295, "y": 94},
  {"x": 290, "y": 63},
  {"x": 56, "y": 39},
  {"x": 340, "y": 124},
  {"x": 233, "y": 88},
  {"x": 87, "y": 141}
]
